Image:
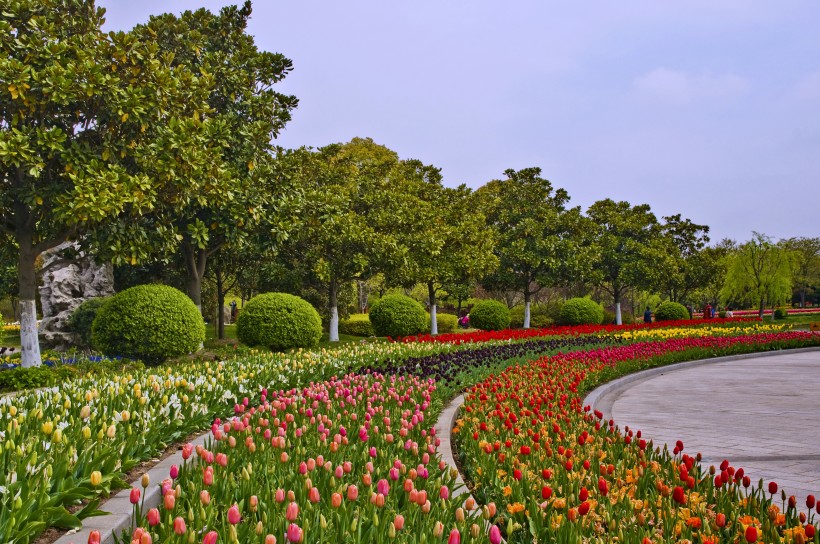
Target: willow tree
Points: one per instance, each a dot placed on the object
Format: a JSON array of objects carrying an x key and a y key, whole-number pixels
[
  {"x": 760, "y": 270},
  {"x": 84, "y": 116}
]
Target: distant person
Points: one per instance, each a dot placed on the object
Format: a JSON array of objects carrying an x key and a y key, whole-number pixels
[
  {"x": 647, "y": 315},
  {"x": 729, "y": 312},
  {"x": 707, "y": 311}
]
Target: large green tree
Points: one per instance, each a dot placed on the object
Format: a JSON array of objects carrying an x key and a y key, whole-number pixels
[
  {"x": 629, "y": 250},
  {"x": 345, "y": 233},
  {"x": 246, "y": 113},
  {"x": 92, "y": 126},
  {"x": 760, "y": 270},
  {"x": 444, "y": 233},
  {"x": 539, "y": 241},
  {"x": 806, "y": 269},
  {"x": 687, "y": 267}
]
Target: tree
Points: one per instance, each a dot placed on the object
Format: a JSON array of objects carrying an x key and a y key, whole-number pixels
[
  {"x": 444, "y": 234},
  {"x": 761, "y": 270},
  {"x": 92, "y": 126},
  {"x": 687, "y": 270},
  {"x": 246, "y": 114},
  {"x": 345, "y": 233},
  {"x": 629, "y": 248},
  {"x": 539, "y": 242},
  {"x": 712, "y": 264},
  {"x": 806, "y": 264}
]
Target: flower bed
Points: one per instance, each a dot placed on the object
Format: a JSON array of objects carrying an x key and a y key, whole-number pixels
[{"x": 559, "y": 472}]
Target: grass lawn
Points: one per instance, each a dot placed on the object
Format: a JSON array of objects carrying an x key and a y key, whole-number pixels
[{"x": 230, "y": 334}]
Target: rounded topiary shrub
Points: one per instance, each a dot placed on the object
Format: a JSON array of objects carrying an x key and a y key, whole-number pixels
[
  {"x": 671, "y": 311},
  {"x": 398, "y": 315},
  {"x": 148, "y": 322},
  {"x": 581, "y": 311},
  {"x": 279, "y": 321},
  {"x": 82, "y": 319},
  {"x": 490, "y": 315},
  {"x": 781, "y": 313},
  {"x": 446, "y": 322},
  {"x": 356, "y": 325}
]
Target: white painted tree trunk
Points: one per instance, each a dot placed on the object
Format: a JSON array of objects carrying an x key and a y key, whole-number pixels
[
  {"x": 527, "y": 315},
  {"x": 28, "y": 333},
  {"x": 334, "y": 323},
  {"x": 433, "y": 320},
  {"x": 618, "y": 320}
]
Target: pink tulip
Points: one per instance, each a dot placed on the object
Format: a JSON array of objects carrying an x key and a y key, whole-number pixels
[
  {"x": 398, "y": 523},
  {"x": 187, "y": 449},
  {"x": 382, "y": 487},
  {"x": 294, "y": 533},
  {"x": 179, "y": 525},
  {"x": 444, "y": 493},
  {"x": 135, "y": 495},
  {"x": 210, "y": 538},
  {"x": 292, "y": 511},
  {"x": 280, "y": 495},
  {"x": 208, "y": 476},
  {"x": 153, "y": 517},
  {"x": 174, "y": 472},
  {"x": 455, "y": 537},
  {"x": 233, "y": 515},
  {"x": 313, "y": 495},
  {"x": 495, "y": 535},
  {"x": 270, "y": 539},
  {"x": 352, "y": 493}
]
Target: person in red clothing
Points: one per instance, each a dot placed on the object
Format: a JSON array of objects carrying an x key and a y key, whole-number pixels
[{"x": 707, "y": 311}]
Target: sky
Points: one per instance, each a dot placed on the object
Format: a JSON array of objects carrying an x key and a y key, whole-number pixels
[{"x": 707, "y": 108}]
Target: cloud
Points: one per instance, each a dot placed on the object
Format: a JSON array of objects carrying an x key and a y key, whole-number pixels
[{"x": 680, "y": 88}]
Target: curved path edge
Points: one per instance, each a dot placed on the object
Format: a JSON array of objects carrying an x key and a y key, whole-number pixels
[{"x": 602, "y": 397}]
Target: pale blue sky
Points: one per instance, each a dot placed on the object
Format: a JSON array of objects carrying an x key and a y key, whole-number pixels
[{"x": 710, "y": 108}]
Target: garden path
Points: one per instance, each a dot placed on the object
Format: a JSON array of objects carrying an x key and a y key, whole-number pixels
[{"x": 760, "y": 412}]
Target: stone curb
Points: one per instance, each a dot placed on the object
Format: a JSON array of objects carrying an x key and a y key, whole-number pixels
[
  {"x": 119, "y": 505},
  {"x": 601, "y": 398}
]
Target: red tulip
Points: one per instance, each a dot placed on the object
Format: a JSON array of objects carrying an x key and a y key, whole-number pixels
[
  {"x": 810, "y": 531},
  {"x": 336, "y": 500},
  {"x": 772, "y": 487},
  {"x": 94, "y": 537},
  {"x": 810, "y": 501},
  {"x": 546, "y": 492},
  {"x": 678, "y": 495},
  {"x": 210, "y": 538},
  {"x": 455, "y": 537},
  {"x": 292, "y": 511},
  {"x": 751, "y": 533},
  {"x": 352, "y": 492},
  {"x": 135, "y": 495},
  {"x": 179, "y": 525},
  {"x": 720, "y": 520}
]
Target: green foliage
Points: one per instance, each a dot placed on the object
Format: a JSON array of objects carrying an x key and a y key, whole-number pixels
[
  {"x": 356, "y": 325},
  {"x": 446, "y": 322},
  {"x": 149, "y": 323},
  {"x": 541, "y": 315},
  {"x": 759, "y": 271},
  {"x": 671, "y": 311},
  {"x": 398, "y": 315},
  {"x": 20, "y": 378},
  {"x": 490, "y": 315},
  {"x": 82, "y": 319},
  {"x": 781, "y": 313},
  {"x": 581, "y": 311},
  {"x": 279, "y": 321}
]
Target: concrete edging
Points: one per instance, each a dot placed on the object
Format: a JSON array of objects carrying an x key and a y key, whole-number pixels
[{"x": 119, "y": 505}]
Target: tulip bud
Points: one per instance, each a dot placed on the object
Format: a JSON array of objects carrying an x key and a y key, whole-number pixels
[
  {"x": 179, "y": 525},
  {"x": 96, "y": 478},
  {"x": 438, "y": 529},
  {"x": 146, "y": 480}
]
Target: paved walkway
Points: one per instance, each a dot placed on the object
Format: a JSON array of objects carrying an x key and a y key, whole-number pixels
[{"x": 761, "y": 413}]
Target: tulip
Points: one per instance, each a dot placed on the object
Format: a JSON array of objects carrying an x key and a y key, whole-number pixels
[
  {"x": 810, "y": 531},
  {"x": 205, "y": 497},
  {"x": 153, "y": 517},
  {"x": 444, "y": 493},
  {"x": 169, "y": 501},
  {"x": 313, "y": 495},
  {"x": 495, "y": 535},
  {"x": 145, "y": 480},
  {"x": 234, "y": 516},
  {"x": 352, "y": 492},
  {"x": 187, "y": 449},
  {"x": 438, "y": 529},
  {"x": 279, "y": 496},
  {"x": 455, "y": 537},
  {"x": 292, "y": 511},
  {"x": 94, "y": 537},
  {"x": 336, "y": 500},
  {"x": 134, "y": 497},
  {"x": 96, "y": 478},
  {"x": 179, "y": 525},
  {"x": 751, "y": 531},
  {"x": 294, "y": 533},
  {"x": 772, "y": 490},
  {"x": 210, "y": 538},
  {"x": 810, "y": 502},
  {"x": 174, "y": 472},
  {"x": 253, "y": 503},
  {"x": 398, "y": 522},
  {"x": 270, "y": 539}
]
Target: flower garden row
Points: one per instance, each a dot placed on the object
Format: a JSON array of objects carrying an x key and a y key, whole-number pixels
[{"x": 73, "y": 443}]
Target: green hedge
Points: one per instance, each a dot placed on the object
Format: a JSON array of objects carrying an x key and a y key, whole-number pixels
[
  {"x": 671, "y": 311},
  {"x": 356, "y": 325},
  {"x": 490, "y": 315},
  {"x": 541, "y": 315},
  {"x": 398, "y": 315},
  {"x": 82, "y": 319},
  {"x": 279, "y": 321},
  {"x": 148, "y": 322},
  {"x": 581, "y": 311}
]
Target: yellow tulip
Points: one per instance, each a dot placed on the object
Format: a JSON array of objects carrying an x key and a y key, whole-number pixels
[
  {"x": 48, "y": 427},
  {"x": 96, "y": 478}
]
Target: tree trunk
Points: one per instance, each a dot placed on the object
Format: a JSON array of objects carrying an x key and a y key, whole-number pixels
[
  {"x": 195, "y": 262},
  {"x": 431, "y": 294},
  {"x": 220, "y": 304},
  {"x": 618, "y": 320},
  {"x": 334, "y": 312},
  {"x": 527, "y": 297},
  {"x": 27, "y": 276},
  {"x": 803, "y": 298},
  {"x": 762, "y": 307}
]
